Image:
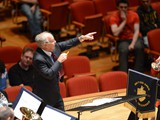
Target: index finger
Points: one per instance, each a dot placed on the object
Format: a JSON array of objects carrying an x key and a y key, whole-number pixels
[{"x": 92, "y": 33}]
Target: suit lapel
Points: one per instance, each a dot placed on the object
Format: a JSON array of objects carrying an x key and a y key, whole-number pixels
[{"x": 46, "y": 57}]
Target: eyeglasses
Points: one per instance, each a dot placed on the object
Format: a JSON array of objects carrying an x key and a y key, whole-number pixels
[
  {"x": 50, "y": 42},
  {"x": 123, "y": 7}
]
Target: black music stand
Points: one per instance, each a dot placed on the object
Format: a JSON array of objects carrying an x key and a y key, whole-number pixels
[
  {"x": 140, "y": 83},
  {"x": 106, "y": 105}
]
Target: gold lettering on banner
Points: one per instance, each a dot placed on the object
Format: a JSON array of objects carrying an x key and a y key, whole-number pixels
[{"x": 142, "y": 88}]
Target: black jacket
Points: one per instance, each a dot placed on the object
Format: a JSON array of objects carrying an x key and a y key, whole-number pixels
[
  {"x": 147, "y": 19},
  {"x": 46, "y": 77}
]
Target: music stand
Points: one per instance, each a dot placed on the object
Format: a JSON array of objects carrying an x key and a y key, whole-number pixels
[
  {"x": 106, "y": 105},
  {"x": 140, "y": 83}
]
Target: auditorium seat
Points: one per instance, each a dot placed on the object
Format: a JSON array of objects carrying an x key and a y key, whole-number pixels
[
  {"x": 105, "y": 6},
  {"x": 84, "y": 17},
  {"x": 113, "y": 80},
  {"x": 63, "y": 91},
  {"x": 133, "y": 4},
  {"x": 13, "y": 91},
  {"x": 31, "y": 45},
  {"x": 56, "y": 16},
  {"x": 46, "y": 4},
  {"x": 154, "y": 42},
  {"x": 156, "y": 5},
  {"x": 10, "y": 55},
  {"x": 77, "y": 66},
  {"x": 82, "y": 85}
]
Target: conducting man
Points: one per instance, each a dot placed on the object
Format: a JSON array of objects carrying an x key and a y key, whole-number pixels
[{"x": 47, "y": 62}]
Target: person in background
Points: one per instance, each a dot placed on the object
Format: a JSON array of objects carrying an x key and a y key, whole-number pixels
[
  {"x": 47, "y": 63},
  {"x": 22, "y": 72},
  {"x": 125, "y": 25},
  {"x": 149, "y": 19},
  {"x": 4, "y": 82},
  {"x": 6, "y": 113},
  {"x": 31, "y": 10}
]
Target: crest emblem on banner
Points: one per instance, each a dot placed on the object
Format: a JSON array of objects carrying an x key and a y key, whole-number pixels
[
  {"x": 141, "y": 91},
  {"x": 142, "y": 84}
]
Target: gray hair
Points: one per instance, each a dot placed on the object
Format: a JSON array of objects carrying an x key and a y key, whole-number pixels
[
  {"x": 5, "y": 113},
  {"x": 42, "y": 38}
]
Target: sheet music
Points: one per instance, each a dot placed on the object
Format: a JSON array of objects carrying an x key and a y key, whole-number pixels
[
  {"x": 101, "y": 101},
  {"x": 26, "y": 100},
  {"x": 50, "y": 113}
]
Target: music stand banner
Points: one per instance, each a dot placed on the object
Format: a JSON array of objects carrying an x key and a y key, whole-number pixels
[{"x": 139, "y": 83}]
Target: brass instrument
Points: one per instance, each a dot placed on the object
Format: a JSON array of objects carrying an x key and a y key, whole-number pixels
[
  {"x": 155, "y": 66},
  {"x": 29, "y": 114}
]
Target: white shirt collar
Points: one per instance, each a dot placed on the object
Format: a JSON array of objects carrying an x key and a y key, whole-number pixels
[{"x": 48, "y": 53}]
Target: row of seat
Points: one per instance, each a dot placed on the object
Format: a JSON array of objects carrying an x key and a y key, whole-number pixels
[
  {"x": 89, "y": 84},
  {"x": 86, "y": 15},
  {"x": 58, "y": 11},
  {"x": 81, "y": 85},
  {"x": 72, "y": 66}
]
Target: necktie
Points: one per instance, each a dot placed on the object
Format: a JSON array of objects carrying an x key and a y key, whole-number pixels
[
  {"x": 54, "y": 56},
  {"x": 61, "y": 72}
]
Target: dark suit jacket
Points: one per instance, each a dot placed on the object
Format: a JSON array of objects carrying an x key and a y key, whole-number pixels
[{"x": 46, "y": 75}]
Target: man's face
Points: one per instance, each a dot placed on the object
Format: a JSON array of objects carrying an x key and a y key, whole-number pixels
[
  {"x": 145, "y": 3},
  {"x": 123, "y": 7},
  {"x": 26, "y": 59},
  {"x": 50, "y": 45}
]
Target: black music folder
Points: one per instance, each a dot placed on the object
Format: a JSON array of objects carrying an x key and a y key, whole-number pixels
[
  {"x": 52, "y": 113},
  {"x": 29, "y": 100}
]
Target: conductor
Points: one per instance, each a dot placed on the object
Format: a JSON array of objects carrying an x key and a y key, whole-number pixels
[{"x": 47, "y": 63}]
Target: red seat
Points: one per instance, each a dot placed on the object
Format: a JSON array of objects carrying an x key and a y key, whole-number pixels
[
  {"x": 113, "y": 80},
  {"x": 156, "y": 5},
  {"x": 12, "y": 92},
  {"x": 56, "y": 16},
  {"x": 153, "y": 40},
  {"x": 62, "y": 87},
  {"x": 77, "y": 66},
  {"x": 82, "y": 85},
  {"x": 105, "y": 6},
  {"x": 46, "y": 4},
  {"x": 10, "y": 55},
  {"x": 31, "y": 45},
  {"x": 134, "y": 4},
  {"x": 84, "y": 17}
]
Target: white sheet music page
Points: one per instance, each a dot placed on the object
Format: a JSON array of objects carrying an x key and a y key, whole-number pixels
[
  {"x": 51, "y": 114},
  {"x": 101, "y": 101},
  {"x": 26, "y": 100}
]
